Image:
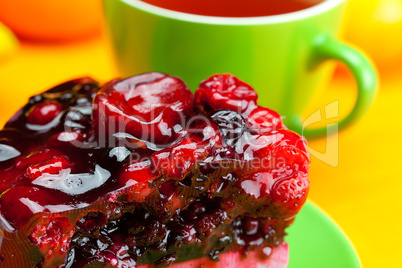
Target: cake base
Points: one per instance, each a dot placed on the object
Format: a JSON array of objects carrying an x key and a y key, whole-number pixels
[{"x": 279, "y": 258}]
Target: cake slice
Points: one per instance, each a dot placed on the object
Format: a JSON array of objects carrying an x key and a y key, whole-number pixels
[{"x": 143, "y": 173}]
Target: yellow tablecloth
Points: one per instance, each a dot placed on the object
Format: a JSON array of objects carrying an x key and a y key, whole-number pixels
[{"x": 362, "y": 192}]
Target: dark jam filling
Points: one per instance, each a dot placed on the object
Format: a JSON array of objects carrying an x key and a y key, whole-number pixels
[
  {"x": 142, "y": 171},
  {"x": 204, "y": 229}
]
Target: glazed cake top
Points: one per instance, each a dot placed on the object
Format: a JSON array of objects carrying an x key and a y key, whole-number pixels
[{"x": 148, "y": 140}]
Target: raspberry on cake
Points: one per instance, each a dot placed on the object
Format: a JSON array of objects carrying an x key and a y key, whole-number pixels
[{"x": 143, "y": 173}]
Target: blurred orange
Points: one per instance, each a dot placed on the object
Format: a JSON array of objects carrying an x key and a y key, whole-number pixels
[
  {"x": 376, "y": 27},
  {"x": 52, "y": 20}
]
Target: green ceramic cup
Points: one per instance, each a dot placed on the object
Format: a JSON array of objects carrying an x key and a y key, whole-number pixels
[{"x": 281, "y": 56}]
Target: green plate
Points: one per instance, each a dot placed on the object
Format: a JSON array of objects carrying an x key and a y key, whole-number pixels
[{"x": 316, "y": 241}]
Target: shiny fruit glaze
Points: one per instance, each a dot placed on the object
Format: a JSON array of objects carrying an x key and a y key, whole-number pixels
[{"x": 141, "y": 171}]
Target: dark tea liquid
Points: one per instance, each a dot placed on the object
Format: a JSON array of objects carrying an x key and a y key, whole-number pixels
[{"x": 235, "y": 8}]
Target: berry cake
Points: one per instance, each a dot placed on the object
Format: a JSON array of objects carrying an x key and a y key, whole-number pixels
[{"x": 143, "y": 173}]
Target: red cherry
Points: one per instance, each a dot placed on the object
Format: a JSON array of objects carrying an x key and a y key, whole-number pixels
[
  {"x": 273, "y": 150},
  {"x": 51, "y": 166},
  {"x": 287, "y": 153},
  {"x": 264, "y": 120},
  {"x": 18, "y": 204},
  {"x": 250, "y": 225},
  {"x": 290, "y": 194},
  {"x": 177, "y": 160},
  {"x": 224, "y": 91},
  {"x": 44, "y": 113},
  {"x": 36, "y": 156},
  {"x": 136, "y": 176},
  {"x": 150, "y": 107},
  {"x": 271, "y": 158},
  {"x": 136, "y": 172}
]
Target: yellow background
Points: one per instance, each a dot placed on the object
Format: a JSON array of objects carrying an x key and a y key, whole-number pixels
[{"x": 362, "y": 192}]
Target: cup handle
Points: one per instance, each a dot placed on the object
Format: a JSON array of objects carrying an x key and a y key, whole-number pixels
[{"x": 363, "y": 71}]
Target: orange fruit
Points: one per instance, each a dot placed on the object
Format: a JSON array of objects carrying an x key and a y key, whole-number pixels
[
  {"x": 376, "y": 27},
  {"x": 52, "y": 20}
]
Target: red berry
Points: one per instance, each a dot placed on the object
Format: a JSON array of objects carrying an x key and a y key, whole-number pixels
[
  {"x": 177, "y": 160},
  {"x": 264, "y": 120},
  {"x": 136, "y": 176},
  {"x": 18, "y": 204},
  {"x": 44, "y": 113},
  {"x": 52, "y": 166},
  {"x": 52, "y": 235},
  {"x": 288, "y": 154},
  {"x": 224, "y": 91},
  {"x": 273, "y": 150},
  {"x": 150, "y": 107},
  {"x": 250, "y": 225},
  {"x": 37, "y": 156},
  {"x": 290, "y": 194},
  {"x": 136, "y": 172},
  {"x": 270, "y": 159}
]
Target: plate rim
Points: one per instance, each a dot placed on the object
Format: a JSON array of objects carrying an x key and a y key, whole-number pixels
[{"x": 329, "y": 220}]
